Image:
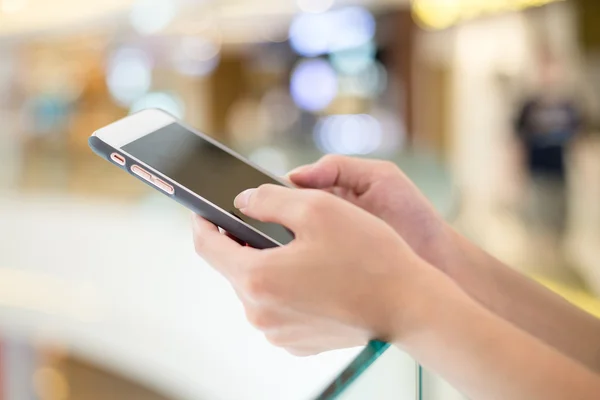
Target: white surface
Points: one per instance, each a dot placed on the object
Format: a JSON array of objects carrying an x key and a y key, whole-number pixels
[{"x": 123, "y": 286}]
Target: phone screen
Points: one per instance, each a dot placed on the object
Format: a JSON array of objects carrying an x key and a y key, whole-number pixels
[{"x": 205, "y": 169}]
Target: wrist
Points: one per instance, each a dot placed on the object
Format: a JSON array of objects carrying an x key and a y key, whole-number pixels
[
  {"x": 446, "y": 251},
  {"x": 430, "y": 295},
  {"x": 444, "y": 307}
]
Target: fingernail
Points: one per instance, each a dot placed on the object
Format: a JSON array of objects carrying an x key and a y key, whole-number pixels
[
  {"x": 242, "y": 200},
  {"x": 299, "y": 170}
]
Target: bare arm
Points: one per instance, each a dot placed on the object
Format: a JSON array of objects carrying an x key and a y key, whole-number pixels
[
  {"x": 383, "y": 190},
  {"x": 487, "y": 358},
  {"x": 523, "y": 302}
]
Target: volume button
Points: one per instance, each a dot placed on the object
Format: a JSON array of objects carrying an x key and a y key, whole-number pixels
[
  {"x": 162, "y": 185},
  {"x": 141, "y": 173}
]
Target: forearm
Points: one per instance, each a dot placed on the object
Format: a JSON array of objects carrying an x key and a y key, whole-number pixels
[
  {"x": 526, "y": 304},
  {"x": 486, "y": 358}
]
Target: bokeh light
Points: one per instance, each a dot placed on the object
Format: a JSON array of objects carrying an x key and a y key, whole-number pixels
[
  {"x": 168, "y": 102},
  {"x": 279, "y": 105},
  {"x": 271, "y": 159},
  {"x": 316, "y": 34},
  {"x": 441, "y": 14},
  {"x": 348, "y": 134},
  {"x": 315, "y": 6},
  {"x": 310, "y": 34},
  {"x": 370, "y": 82},
  {"x": 196, "y": 56},
  {"x": 152, "y": 16},
  {"x": 354, "y": 27},
  {"x": 354, "y": 60},
  {"x": 129, "y": 75},
  {"x": 393, "y": 131},
  {"x": 314, "y": 85},
  {"x": 44, "y": 115},
  {"x": 274, "y": 32}
]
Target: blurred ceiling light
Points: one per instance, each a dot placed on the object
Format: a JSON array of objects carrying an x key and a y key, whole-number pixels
[
  {"x": 272, "y": 159},
  {"x": 348, "y": 134},
  {"x": 370, "y": 82},
  {"x": 197, "y": 56},
  {"x": 152, "y": 16},
  {"x": 315, "y": 6},
  {"x": 353, "y": 61},
  {"x": 393, "y": 131},
  {"x": 441, "y": 14},
  {"x": 354, "y": 27},
  {"x": 310, "y": 33},
  {"x": 12, "y": 6},
  {"x": 168, "y": 102},
  {"x": 316, "y": 34},
  {"x": 273, "y": 33},
  {"x": 129, "y": 75},
  {"x": 314, "y": 85},
  {"x": 49, "y": 383},
  {"x": 199, "y": 48}
]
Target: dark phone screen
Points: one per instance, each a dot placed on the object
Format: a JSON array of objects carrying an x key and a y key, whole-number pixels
[{"x": 205, "y": 169}]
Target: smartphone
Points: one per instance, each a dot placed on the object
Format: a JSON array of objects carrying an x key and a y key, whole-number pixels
[
  {"x": 191, "y": 168},
  {"x": 206, "y": 176}
]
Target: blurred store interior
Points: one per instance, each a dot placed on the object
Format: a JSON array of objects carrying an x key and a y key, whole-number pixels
[{"x": 444, "y": 88}]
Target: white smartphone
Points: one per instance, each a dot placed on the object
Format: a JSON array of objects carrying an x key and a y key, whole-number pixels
[{"x": 192, "y": 168}]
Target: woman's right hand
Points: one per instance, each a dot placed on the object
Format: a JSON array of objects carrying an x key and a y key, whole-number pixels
[{"x": 381, "y": 188}]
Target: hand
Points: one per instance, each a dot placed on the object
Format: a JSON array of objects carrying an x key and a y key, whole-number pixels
[
  {"x": 346, "y": 278},
  {"x": 380, "y": 188}
]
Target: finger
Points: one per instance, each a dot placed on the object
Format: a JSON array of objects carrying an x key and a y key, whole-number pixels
[
  {"x": 276, "y": 318},
  {"x": 333, "y": 170},
  {"x": 218, "y": 250},
  {"x": 276, "y": 204},
  {"x": 232, "y": 237}
]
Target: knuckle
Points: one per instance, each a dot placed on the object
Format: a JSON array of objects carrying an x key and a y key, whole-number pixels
[
  {"x": 262, "y": 191},
  {"x": 260, "y": 195},
  {"x": 256, "y": 283},
  {"x": 260, "y": 319},
  {"x": 332, "y": 158},
  {"x": 316, "y": 205},
  {"x": 388, "y": 168},
  {"x": 276, "y": 340},
  {"x": 199, "y": 244}
]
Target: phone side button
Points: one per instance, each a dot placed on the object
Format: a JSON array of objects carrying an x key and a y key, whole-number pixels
[
  {"x": 141, "y": 173},
  {"x": 162, "y": 185}
]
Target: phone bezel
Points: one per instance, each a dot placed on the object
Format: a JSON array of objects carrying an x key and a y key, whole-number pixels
[{"x": 137, "y": 125}]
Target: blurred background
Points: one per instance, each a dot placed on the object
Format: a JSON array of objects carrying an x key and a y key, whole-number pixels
[{"x": 491, "y": 106}]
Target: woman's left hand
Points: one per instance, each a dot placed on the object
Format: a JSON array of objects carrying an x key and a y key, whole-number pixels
[{"x": 347, "y": 278}]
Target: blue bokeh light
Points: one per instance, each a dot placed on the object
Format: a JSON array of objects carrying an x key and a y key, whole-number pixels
[
  {"x": 314, "y": 85},
  {"x": 345, "y": 28},
  {"x": 349, "y": 134}
]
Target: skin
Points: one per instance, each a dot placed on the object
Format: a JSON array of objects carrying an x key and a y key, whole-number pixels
[
  {"x": 372, "y": 259},
  {"x": 495, "y": 286}
]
